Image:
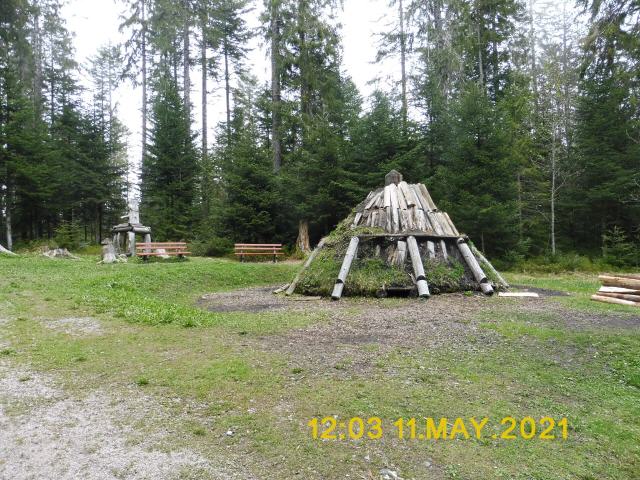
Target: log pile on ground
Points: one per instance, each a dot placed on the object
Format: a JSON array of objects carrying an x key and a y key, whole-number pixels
[
  {"x": 619, "y": 289},
  {"x": 396, "y": 242}
]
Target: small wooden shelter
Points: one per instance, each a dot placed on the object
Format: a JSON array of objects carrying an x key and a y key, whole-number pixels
[
  {"x": 401, "y": 225},
  {"x": 131, "y": 228}
]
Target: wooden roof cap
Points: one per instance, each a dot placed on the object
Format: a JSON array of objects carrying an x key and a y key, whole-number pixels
[{"x": 393, "y": 176}]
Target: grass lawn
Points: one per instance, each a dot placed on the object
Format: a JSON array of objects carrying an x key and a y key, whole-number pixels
[{"x": 263, "y": 374}]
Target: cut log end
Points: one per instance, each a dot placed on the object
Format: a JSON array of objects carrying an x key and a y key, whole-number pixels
[{"x": 486, "y": 288}]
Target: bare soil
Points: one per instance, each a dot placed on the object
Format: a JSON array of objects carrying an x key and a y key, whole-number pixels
[{"x": 359, "y": 330}]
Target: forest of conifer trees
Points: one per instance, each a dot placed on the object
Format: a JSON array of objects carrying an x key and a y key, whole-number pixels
[{"x": 522, "y": 118}]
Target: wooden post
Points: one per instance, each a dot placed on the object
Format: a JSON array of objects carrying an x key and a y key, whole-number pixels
[
  {"x": 431, "y": 249},
  {"x": 418, "y": 268},
  {"x": 346, "y": 266},
  {"x": 443, "y": 247},
  {"x": 132, "y": 243},
  {"x": 293, "y": 285},
  {"x": 482, "y": 258},
  {"x": 478, "y": 274},
  {"x": 401, "y": 253}
]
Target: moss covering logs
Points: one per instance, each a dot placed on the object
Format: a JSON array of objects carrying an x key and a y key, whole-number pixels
[{"x": 370, "y": 273}]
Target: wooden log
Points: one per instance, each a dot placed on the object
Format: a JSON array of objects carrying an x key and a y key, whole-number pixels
[
  {"x": 402, "y": 201},
  {"x": 611, "y": 281},
  {"x": 471, "y": 261},
  {"x": 147, "y": 240},
  {"x": 418, "y": 268},
  {"x": 409, "y": 197},
  {"x": 346, "y": 266},
  {"x": 419, "y": 201},
  {"x": 313, "y": 255},
  {"x": 623, "y": 296},
  {"x": 483, "y": 259},
  {"x": 131, "y": 238},
  {"x": 427, "y": 197},
  {"x": 395, "y": 217},
  {"x": 443, "y": 247},
  {"x": 356, "y": 219},
  {"x": 431, "y": 249},
  {"x": 635, "y": 276},
  {"x": 7, "y": 252},
  {"x": 387, "y": 196},
  {"x": 617, "y": 301},
  {"x": 451, "y": 225},
  {"x": 401, "y": 252},
  {"x": 435, "y": 226},
  {"x": 629, "y": 291}
]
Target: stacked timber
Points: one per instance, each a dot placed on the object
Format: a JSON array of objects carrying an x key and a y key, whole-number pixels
[
  {"x": 404, "y": 208},
  {"x": 620, "y": 289}
]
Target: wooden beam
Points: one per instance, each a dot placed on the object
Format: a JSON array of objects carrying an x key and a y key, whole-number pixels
[
  {"x": 478, "y": 274},
  {"x": 346, "y": 266},
  {"x": 418, "y": 268},
  {"x": 617, "y": 301},
  {"x": 313, "y": 255}
]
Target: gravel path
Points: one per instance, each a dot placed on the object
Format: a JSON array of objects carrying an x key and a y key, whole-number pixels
[{"x": 47, "y": 434}]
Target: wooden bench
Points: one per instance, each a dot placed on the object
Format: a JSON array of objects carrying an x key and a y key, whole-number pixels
[
  {"x": 146, "y": 250},
  {"x": 252, "y": 249}
]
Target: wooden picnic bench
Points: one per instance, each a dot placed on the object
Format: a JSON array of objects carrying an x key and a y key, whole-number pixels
[
  {"x": 150, "y": 249},
  {"x": 252, "y": 249}
]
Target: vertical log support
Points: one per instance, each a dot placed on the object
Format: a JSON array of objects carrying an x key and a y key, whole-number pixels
[
  {"x": 418, "y": 268},
  {"x": 132, "y": 243},
  {"x": 431, "y": 249},
  {"x": 473, "y": 264},
  {"x": 147, "y": 239},
  {"x": 346, "y": 266},
  {"x": 443, "y": 247}
]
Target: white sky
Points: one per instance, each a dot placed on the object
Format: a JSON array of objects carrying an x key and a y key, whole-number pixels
[{"x": 95, "y": 23}]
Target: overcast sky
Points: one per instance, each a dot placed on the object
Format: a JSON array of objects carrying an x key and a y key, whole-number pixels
[{"x": 95, "y": 23}]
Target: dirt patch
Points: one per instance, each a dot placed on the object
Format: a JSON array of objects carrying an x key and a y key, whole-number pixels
[
  {"x": 77, "y": 327},
  {"x": 253, "y": 300},
  {"x": 359, "y": 330},
  {"x": 563, "y": 317}
]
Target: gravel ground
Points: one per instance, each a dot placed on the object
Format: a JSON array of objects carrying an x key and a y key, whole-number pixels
[
  {"x": 77, "y": 327},
  {"x": 47, "y": 434}
]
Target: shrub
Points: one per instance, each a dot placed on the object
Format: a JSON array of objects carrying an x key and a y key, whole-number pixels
[
  {"x": 212, "y": 247},
  {"x": 616, "y": 249},
  {"x": 68, "y": 235}
]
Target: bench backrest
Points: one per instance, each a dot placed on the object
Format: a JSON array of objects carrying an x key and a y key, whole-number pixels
[
  {"x": 258, "y": 248},
  {"x": 173, "y": 246}
]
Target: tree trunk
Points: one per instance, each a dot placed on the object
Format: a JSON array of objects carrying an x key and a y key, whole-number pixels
[
  {"x": 203, "y": 65},
  {"x": 553, "y": 192},
  {"x": 227, "y": 89},
  {"x": 403, "y": 47},
  {"x": 37, "y": 60},
  {"x": 7, "y": 216},
  {"x": 186, "y": 60},
  {"x": 144, "y": 80},
  {"x": 302, "y": 243},
  {"x": 275, "y": 88},
  {"x": 532, "y": 47}
]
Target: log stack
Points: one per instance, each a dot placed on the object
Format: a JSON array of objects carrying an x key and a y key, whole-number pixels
[{"x": 619, "y": 289}]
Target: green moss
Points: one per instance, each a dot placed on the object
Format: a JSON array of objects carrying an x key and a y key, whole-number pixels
[{"x": 444, "y": 276}]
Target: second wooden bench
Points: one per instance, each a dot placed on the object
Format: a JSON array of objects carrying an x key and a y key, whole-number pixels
[{"x": 252, "y": 249}]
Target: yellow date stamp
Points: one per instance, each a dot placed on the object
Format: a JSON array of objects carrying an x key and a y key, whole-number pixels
[{"x": 443, "y": 428}]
